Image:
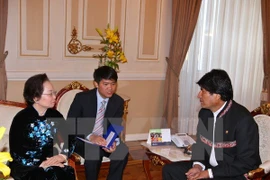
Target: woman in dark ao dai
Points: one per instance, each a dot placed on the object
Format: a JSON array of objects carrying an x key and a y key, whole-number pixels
[{"x": 35, "y": 131}]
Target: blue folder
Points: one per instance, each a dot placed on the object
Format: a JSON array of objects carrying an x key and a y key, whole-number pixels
[{"x": 113, "y": 132}]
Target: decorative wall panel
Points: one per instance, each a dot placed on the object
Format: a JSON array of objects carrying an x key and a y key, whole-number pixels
[
  {"x": 149, "y": 32},
  {"x": 92, "y": 14},
  {"x": 34, "y": 27}
]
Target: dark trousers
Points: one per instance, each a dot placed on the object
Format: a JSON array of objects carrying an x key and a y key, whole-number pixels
[
  {"x": 177, "y": 170},
  {"x": 38, "y": 173},
  {"x": 93, "y": 158}
]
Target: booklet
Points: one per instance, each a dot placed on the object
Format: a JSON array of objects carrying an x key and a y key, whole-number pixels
[
  {"x": 159, "y": 137},
  {"x": 112, "y": 133}
]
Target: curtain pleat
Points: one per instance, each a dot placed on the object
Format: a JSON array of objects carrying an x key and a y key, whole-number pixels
[
  {"x": 184, "y": 18},
  {"x": 3, "y": 27},
  {"x": 265, "y": 5}
]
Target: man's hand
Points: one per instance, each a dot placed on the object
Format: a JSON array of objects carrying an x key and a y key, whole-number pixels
[
  {"x": 97, "y": 140},
  {"x": 110, "y": 149},
  {"x": 203, "y": 175},
  {"x": 200, "y": 175},
  {"x": 194, "y": 172}
]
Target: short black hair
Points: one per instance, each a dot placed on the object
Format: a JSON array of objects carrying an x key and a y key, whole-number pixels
[
  {"x": 105, "y": 72},
  {"x": 33, "y": 88},
  {"x": 217, "y": 81}
]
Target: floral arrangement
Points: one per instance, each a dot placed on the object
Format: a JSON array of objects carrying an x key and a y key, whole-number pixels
[
  {"x": 112, "y": 52},
  {"x": 4, "y": 157}
]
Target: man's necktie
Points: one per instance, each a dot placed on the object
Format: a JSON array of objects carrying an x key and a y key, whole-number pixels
[{"x": 98, "y": 128}]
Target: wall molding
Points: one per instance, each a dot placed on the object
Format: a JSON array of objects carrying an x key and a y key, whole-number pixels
[
  {"x": 136, "y": 137},
  {"x": 25, "y": 32},
  {"x": 156, "y": 31},
  {"x": 57, "y": 75}
]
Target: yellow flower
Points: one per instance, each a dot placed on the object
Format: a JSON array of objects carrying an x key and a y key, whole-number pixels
[
  {"x": 109, "y": 33},
  {"x": 122, "y": 58},
  {"x": 99, "y": 32},
  {"x": 110, "y": 54},
  {"x": 4, "y": 157},
  {"x": 114, "y": 39},
  {"x": 2, "y": 131}
]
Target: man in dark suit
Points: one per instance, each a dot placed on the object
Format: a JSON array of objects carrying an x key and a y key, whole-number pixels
[
  {"x": 227, "y": 145},
  {"x": 89, "y": 122}
]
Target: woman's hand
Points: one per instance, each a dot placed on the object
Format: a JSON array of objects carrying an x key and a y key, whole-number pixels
[{"x": 56, "y": 160}]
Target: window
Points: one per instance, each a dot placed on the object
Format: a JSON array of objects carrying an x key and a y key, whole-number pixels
[{"x": 228, "y": 36}]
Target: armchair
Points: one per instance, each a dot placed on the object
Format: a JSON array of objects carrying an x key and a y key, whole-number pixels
[
  {"x": 262, "y": 118},
  {"x": 8, "y": 109}
]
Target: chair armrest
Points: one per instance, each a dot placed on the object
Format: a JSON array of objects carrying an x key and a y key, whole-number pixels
[
  {"x": 256, "y": 173},
  {"x": 76, "y": 158},
  {"x": 261, "y": 171}
]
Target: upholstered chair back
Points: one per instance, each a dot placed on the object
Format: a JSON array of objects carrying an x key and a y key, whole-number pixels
[
  {"x": 8, "y": 109},
  {"x": 263, "y": 122},
  {"x": 65, "y": 96},
  {"x": 262, "y": 118}
]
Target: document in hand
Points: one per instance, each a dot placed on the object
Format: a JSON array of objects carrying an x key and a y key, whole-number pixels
[{"x": 112, "y": 133}]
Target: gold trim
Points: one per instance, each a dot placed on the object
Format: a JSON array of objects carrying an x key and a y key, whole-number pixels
[
  {"x": 75, "y": 85},
  {"x": 123, "y": 133},
  {"x": 263, "y": 109},
  {"x": 75, "y": 46},
  {"x": 156, "y": 160}
]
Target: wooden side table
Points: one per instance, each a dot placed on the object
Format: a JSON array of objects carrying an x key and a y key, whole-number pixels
[{"x": 161, "y": 155}]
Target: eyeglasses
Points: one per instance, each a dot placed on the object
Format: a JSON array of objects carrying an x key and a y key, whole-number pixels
[{"x": 53, "y": 93}]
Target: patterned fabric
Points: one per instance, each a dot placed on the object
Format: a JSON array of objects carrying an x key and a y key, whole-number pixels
[
  {"x": 228, "y": 144},
  {"x": 98, "y": 128},
  {"x": 224, "y": 111},
  {"x": 41, "y": 133}
]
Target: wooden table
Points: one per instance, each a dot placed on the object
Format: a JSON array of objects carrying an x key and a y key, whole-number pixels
[{"x": 161, "y": 155}]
